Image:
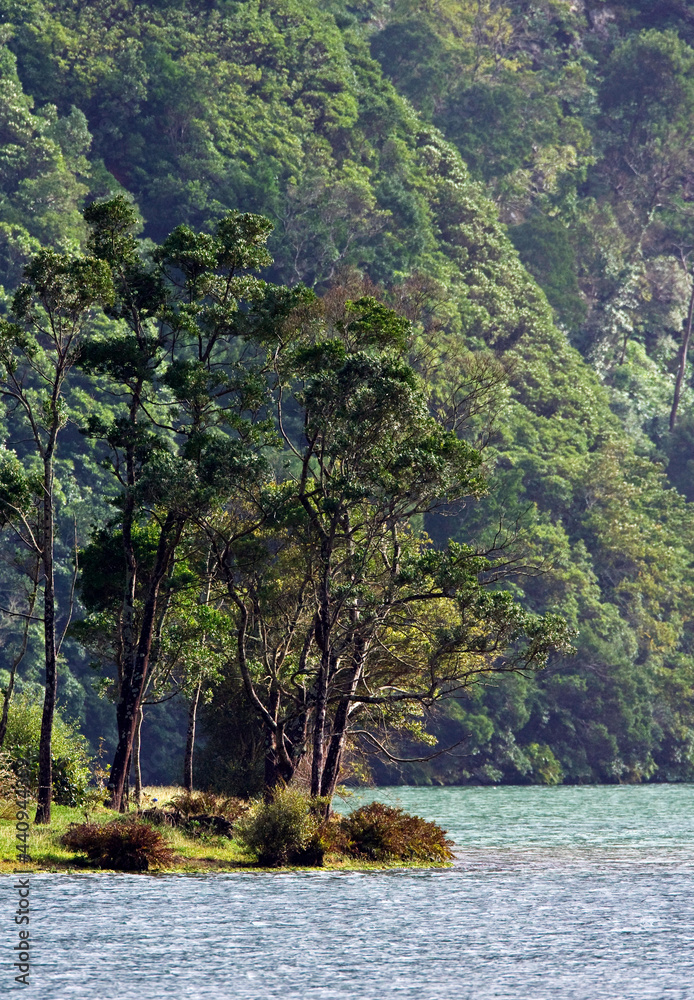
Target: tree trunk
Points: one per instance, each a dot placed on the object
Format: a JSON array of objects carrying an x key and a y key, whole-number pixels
[
  {"x": 319, "y": 728},
  {"x": 137, "y": 770},
  {"x": 331, "y": 772},
  {"x": 271, "y": 777},
  {"x": 682, "y": 365},
  {"x": 7, "y": 698},
  {"x": 190, "y": 738},
  {"x": 128, "y": 612},
  {"x": 134, "y": 681},
  {"x": 193, "y": 707},
  {"x": 323, "y": 637},
  {"x": 45, "y": 790},
  {"x": 125, "y": 798},
  {"x": 129, "y": 645}
]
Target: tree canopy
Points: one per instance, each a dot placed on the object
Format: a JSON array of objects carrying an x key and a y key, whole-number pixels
[{"x": 513, "y": 181}]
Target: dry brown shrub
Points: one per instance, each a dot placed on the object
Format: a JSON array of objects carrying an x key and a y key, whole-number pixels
[
  {"x": 122, "y": 845},
  {"x": 383, "y": 833}
]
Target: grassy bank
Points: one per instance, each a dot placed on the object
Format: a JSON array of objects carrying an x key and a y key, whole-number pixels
[{"x": 193, "y": 854}]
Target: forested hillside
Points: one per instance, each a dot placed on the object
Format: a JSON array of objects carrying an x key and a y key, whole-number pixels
[{"x": 512, "y": 178}]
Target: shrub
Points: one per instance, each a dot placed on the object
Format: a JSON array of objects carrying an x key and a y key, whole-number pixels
[
  {"x": 161, "y": 817},
  {"x": 206, "y": 825},
  {"x": 70, "y": 750},
  {"x": 382, "y": 833},
  {"x": 197, "y": 825},
  {"x": 292, "y": 829},
  {"x": 191, "y": 804},
  {"x": 122, "y": 845},
  {"x": 199, "y": 814},
  {"x": 287, "y": 829}
]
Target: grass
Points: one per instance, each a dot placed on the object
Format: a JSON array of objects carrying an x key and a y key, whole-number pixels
[{"x": 193, "y": 855}]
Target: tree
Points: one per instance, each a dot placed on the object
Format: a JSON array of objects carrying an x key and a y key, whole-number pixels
[
  {"x": 347, "y": 619},
  {"x": 37, "y": 352},
  {"x": 189, "y": 642},
  {"x": 17, "y": 501},
  {"x": 684, "y": 346},
  {"x": 189, "y": 386},
  {"x": 43, "y": 173},
  {"x": 642, "y": 179}
]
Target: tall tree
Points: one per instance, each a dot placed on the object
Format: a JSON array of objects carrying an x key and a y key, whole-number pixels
[
  {"x": 343, "y": 610},
  {"x": 38, "y": 349},
  {"x": 18, "y": 501},
  {"x": 190, "y": 388}
]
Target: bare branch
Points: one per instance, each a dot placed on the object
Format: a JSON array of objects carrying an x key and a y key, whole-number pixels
[{"x": 406, "y": 760}]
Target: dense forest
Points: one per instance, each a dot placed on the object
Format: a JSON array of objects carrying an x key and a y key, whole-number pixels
[{"x": 446, "y": 248}]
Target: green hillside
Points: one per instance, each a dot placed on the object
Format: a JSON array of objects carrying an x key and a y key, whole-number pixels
[{"x": 511, "y": 177}]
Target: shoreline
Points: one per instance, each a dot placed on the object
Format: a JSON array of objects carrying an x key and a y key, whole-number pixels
[
  {"x": 203, "y": 855},
  {"x": 75, "y": 868}
]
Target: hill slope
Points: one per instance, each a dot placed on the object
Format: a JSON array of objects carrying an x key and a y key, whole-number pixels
[{"x": 279, "y": 107}]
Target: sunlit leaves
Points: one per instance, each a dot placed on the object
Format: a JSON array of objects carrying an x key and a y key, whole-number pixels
[{"x": 18, "y": 489}]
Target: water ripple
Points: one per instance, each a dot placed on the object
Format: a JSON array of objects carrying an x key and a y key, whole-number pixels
[{"x": 529, "y": 913}]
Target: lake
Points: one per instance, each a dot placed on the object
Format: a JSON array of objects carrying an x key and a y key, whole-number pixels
[{"x": 564, "y": 893}]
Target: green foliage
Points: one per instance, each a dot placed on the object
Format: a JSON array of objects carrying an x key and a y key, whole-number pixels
[
  {"x": 546, "y": 767},
  {"x": 648, "y": 84},
  {"x": 8, "y": 779},
  {"x": 576, "y": 128},
  {"x": 285, "y": 829},
  {"x": 544, "y": 247},
  {"x": 44, "y": 174},
  {"x": 503, "y": 82},
  {"x": 17, "y": 489},
  {"x": 71, "y": 759}
]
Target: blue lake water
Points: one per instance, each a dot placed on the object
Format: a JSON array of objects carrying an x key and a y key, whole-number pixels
[{"x": 566, "y": 893}]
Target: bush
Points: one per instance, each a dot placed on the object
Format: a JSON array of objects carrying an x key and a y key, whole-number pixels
[
  {"x": 8, "y": 778},
  {"x": 197, "y": 825},
  {"x": 292, "y": 829},
  {"x": 192, "y": 804},
  {"x": 122, "y": 845},
  {"x": 382, "y": 833},
  {"x": 289, "y": 829},
  {"x": 70, "y": 750},
  {"x": 199, "y": 814},
  {"x": 206, "y": 825}
]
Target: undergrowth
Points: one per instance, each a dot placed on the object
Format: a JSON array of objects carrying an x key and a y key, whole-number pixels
[
  {"x": 292, "y": 828},
  {"x": 122, "y": 845},
  {"x": 383, "y": 833}
]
